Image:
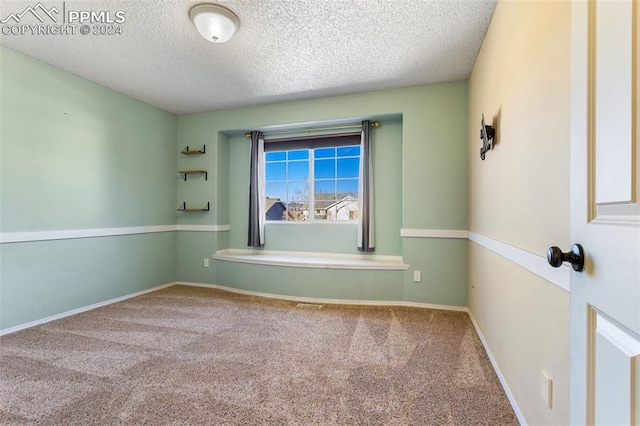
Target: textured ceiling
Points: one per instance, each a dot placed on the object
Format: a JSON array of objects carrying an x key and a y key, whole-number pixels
[{"x": 284, "y": 50}]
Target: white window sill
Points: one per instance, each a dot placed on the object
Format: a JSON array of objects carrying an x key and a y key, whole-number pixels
[
  {"x": 312, "y": 260},
  {"x": 311, "y": 222}
]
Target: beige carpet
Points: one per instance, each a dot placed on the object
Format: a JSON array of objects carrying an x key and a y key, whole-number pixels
[{"x": 187, "y": 355}]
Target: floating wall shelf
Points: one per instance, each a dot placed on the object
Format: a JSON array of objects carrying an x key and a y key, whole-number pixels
[
  {"x": 183, "y": 208},
  {"x": 187, "y": 151},
  {"x": 193, "y": 172}
]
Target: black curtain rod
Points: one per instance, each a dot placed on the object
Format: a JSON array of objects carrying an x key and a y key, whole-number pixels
[{"x": 311, "y": 129}]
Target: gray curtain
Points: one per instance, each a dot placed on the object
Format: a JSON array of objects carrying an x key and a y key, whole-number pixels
[
  {"x": 365, "y": 220},
  {"x": 256, "y": 192}
]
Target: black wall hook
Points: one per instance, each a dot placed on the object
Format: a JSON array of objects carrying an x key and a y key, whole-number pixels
[{"x": 487, "y": 133}]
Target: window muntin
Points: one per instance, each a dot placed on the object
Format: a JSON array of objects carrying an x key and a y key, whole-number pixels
[{"x": 312, "y": 184}]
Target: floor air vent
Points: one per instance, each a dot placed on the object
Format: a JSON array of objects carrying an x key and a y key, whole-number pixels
[{"x": 308, "y": 306}]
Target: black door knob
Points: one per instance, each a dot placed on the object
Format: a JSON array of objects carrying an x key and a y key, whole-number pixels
[{"x": 575, "y": 257}]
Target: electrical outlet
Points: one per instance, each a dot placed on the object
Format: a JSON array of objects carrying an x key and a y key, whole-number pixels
[
  {"x": 206, "y": 262},
  {"x": 417, "y": 276},
  {"x": 547, "y": 389}
]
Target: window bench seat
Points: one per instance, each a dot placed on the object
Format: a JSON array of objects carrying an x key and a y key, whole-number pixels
[{"x": 312, "y": 260}]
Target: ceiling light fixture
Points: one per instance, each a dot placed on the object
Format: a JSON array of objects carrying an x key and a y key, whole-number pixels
[{"x": 214, "y": 22}]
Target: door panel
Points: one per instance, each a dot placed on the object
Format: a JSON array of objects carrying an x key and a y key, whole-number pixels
[
  {"x": 613, "y": 361},
  {"x": 611, "y": 54},
  {"x": 605, "y": 217}
]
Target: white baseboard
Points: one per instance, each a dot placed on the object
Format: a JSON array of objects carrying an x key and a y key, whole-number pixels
[
  {"x": 503, "y": 381},
  {"x": 316, "y": 300},
  {"x": 234, "y": 290},
  {"x": 83, "y": 309}
]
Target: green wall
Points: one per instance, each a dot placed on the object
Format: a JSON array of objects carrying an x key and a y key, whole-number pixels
[
  {"x": 419, "y": 156},
  {"x": 41, "y": 279},
  {"x": 75, "y": 155}
]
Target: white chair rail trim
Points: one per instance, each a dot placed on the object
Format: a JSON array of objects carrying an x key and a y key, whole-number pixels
[
  {"x": 67, "y": 234},
  {"x": 203, "y": 228},
  {"x": 532, "y": 262},
  {"x": 561, "y": 277},
  {"x": 434, "y": 233}
]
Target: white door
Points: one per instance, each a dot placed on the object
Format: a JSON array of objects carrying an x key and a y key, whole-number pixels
[{"x": 605, "y": 213}]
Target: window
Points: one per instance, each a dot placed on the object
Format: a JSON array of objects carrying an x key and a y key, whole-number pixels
[{"x": 314, "y": 179}]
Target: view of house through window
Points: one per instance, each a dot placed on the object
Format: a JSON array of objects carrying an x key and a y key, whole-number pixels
[{"x": 305, "y": 184}]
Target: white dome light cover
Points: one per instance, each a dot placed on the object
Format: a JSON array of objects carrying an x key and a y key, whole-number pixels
[{"x": 215, "y": 23}]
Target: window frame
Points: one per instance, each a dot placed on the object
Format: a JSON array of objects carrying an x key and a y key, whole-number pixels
[{"x": 310, "y": 143}]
